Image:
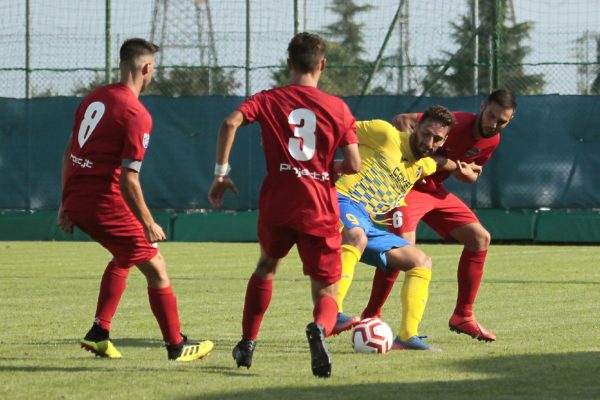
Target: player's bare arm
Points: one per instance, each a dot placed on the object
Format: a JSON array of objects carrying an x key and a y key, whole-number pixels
[
  {"x": 62, "y": 220},
  {"x": 444, "y": 163},
  {"x": 463, "y": 171},
  {"x": 351, "y": 162},
  {"x": 405, "y": 122},
  {"x": 222, "y": 182},
  {"x": 131, "y": 190}
]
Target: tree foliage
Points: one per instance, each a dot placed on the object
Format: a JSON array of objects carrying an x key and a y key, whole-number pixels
[
  {"x": 346, "y": 71},
  {"x": 595, "y": 89},
  {"x": 459, "y": 79},
  {"x": 194, "y": 81},
  {"x": 587, "y": 51},
  {"x": 181, "y": 81}
]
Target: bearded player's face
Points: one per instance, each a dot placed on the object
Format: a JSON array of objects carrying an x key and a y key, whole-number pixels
[
  {"x": 429, "y": 136},
  {"x": 493, "y": 118}
]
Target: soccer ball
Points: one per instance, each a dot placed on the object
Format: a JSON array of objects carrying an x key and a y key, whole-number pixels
[{"x": 372, "y": 335}]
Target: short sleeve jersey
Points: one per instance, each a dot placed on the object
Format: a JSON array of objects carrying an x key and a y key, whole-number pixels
[
  {"x": 389, "y": 168},
  {"x": 460, "y": 145},
  {"x": 110, "y": 125},
  {"x": 301, "y": 128}
]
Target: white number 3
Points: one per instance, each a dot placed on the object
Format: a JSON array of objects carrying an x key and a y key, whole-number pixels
[
  {"x": 92, "y": 116},
  {"x": 302, "y": 145}
]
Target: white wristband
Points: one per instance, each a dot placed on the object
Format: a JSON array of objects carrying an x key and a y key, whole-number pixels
[{"x": 222, "y": 169}]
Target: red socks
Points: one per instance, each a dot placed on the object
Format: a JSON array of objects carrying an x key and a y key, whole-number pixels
[
  {"x": 162, "y": 302},
  {"x": 258, "y": 298},
  {"x": 325, "y": 313},
  {"x": 112, "y": 286},
  {"x": 469, "y": 274},
  {"x": 164, "y": 307},
  {"x": 383, "y": 282}
]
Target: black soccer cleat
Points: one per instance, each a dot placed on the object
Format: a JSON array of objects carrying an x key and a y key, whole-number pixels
[
  {"x": 243, "y": 351},
  {"x": 187, "y": 350},
  {"x": 96, "y": 334},
  {"x": 320, "y": 358}
]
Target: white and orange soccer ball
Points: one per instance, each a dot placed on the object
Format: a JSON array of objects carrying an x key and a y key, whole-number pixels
[{"x": 372, "y": 335}]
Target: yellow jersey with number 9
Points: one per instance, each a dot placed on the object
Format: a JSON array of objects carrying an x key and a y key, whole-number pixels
[{"x": 389, "y": 168}]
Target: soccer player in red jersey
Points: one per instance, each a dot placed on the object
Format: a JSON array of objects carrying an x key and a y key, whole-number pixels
[
  {"x": 472, "y": 140},
  {"x": 301, "y": 129},
  {"x": 102, "y": 196}
]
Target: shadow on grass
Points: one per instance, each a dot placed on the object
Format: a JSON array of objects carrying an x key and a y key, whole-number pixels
[
  {"x": 38, "y": 368},
  {"x": 543, "y": 376},
  {"x": 124, "y": 342}
]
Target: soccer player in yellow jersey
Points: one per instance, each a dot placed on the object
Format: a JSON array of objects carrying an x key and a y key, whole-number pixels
[{"x": 392, "y": 162}]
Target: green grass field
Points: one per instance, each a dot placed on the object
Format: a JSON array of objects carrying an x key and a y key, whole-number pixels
[{"x": 542, "y": 302}]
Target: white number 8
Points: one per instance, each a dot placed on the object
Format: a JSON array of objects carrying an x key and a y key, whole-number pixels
[
  {"x": 92, "y": 116},
  {"x": 302, "y": 146}
]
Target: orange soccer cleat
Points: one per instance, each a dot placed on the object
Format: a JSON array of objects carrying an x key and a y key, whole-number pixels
[{"x": 471, "y": 327}]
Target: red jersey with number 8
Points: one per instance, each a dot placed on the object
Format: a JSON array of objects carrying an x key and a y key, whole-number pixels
[
  {"x": 111, "y": 124},
  {"x": 302, "y": 127}
]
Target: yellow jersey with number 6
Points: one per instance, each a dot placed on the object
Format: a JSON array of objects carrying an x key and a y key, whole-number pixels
[{"x": 389, "y": 168}]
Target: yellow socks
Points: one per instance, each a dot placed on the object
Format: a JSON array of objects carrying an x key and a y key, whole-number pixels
[
  {"x": 350, "y": 256},
  {"x": 413, "y": 297}
]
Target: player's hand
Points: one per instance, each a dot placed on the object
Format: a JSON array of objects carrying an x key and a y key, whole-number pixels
[
  {"x": 63, "y": 222},
  {"x": 218, "y": 188},
  {"x": 154, "y": 233},
  {"x": 467, "y": 172},
  {"x": 476, "y": 168}
]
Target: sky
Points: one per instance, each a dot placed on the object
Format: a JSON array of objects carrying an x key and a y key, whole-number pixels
[{"x": 69, "y": 34}]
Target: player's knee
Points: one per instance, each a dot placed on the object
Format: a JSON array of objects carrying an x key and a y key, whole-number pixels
[
  {"x": 417, "y": 258},
  {"x": 357, "y": 238},
  {"x": 266, "y": 267},
  {"x": 408, "y": 257},
  {"x": 155, "y": 271},
  {"x": 482, "y": 239},
  {"x": 422, "y": 261}
]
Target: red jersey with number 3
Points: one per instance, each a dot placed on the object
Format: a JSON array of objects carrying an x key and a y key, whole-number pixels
[
  {"x": 460, "y": 145},
  {"x": 111, "y": 124},
  {"x": 301, "y": 129}
]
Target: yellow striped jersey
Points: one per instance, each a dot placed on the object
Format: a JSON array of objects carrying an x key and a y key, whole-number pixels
[{"x": 389, "y": 168}]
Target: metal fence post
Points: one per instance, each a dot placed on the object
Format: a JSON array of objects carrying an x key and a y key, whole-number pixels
[
  {"x": 27, "y": 48},
  {"x": 296, "y": 18},
  {"x": 108, "y": 43},
  {"x": 248, "y": 48},
  {"x": 498, "y": 20}
]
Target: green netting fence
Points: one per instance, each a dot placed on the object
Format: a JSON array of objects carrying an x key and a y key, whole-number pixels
[
  {"x": 236, "y": 47},
  {"x": 548, "y": 156}
]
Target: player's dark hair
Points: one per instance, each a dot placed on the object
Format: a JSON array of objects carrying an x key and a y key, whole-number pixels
[
  {"x": 305, "y": 51},
  {"x": 439, "y": 114},
  {"x": 504, "y": 98},
  {"x": 133, "y": 48}
]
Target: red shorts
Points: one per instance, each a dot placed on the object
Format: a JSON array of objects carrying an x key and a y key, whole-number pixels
[
  {"x": 117, "y": 230},
  {"x": 441, "y": 210},
  {"x": 321, "y": 256}
]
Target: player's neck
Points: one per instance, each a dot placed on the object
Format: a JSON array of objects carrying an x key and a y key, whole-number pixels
[
  {"x": 131, "y": 83},
  {"x": 307, "y": 79},
  {"x": 476, "y": 133}
]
